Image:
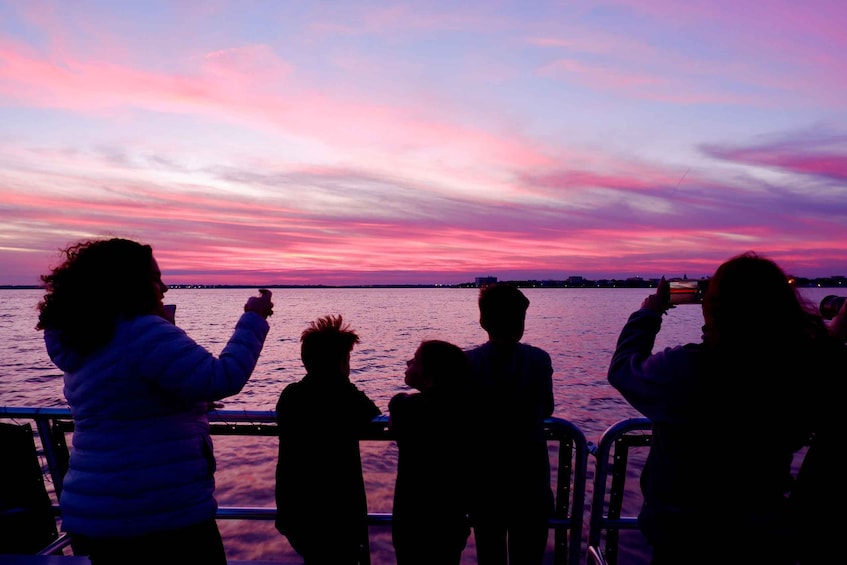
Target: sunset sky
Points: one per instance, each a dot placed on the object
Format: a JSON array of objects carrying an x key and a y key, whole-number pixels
[{"x": 376, "y": 142}]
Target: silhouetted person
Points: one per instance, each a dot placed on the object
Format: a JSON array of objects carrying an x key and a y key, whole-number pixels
[
  {"x": 512, "y": 384},
  {"x": 320, "y": 492},
  {"x": 430, "y": 516},
  {"x": 728, "y": 414},
  {"x": 818, "y": 495},
  {"x": 141, "y": 482}
]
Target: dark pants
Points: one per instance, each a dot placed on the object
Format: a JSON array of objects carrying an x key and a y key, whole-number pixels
[
  {"x": 327, "y": 545},
  {"x": 524, "y": 541},
  {"x": 199, "y": 543},
  {"x": 430, "y": 542}
]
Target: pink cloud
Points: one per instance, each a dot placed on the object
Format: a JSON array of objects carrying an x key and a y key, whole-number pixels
[
  {"x": 814, "y": 153},
  {"x": 783, "y": 46},
  {"x": 716, "y": 52},
  {"x": 466, "y": 236},
  {"x": 228, "y": 89}
]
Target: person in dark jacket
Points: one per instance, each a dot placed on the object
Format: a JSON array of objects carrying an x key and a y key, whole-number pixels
[
  {"x": 431, "y": 428},
  {"x": 750, "y": 390},
  {"x": 817, "y": 491},
  {"x": 141, "y": 479},
  {"x": 512, "y": 391},
  {"x": 320, "y": 491}
]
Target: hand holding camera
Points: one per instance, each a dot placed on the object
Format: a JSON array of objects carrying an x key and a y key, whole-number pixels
[
  {"x": 834, "y": 308},
  {"x": 661, "y": 300},
  {"x": 831, "y": 305},
  {"x": 261, "y": 304}
]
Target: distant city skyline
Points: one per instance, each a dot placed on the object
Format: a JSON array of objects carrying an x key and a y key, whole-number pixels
[
  {"x": 837, "y": 281},
  {"x": 339, "y": 143}
]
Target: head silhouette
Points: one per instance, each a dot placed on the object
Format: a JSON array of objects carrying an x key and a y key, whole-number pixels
[
  {"x": 502, "y": 312},
  {"x": 99, "y": 282},
  {"x": 325, "y": 346},
  {"x": 438, "y": 365},
  {"x": 751, "y": 300}
]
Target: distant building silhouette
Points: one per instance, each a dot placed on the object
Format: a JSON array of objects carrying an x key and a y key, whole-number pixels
[
  {"x": 483, "y": 281},
  {"x": 574, "y": 281}
]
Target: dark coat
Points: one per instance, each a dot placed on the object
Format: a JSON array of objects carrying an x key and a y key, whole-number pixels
[
  {"x": 320, "y": 491},
  {"x": 431, "y": 502}
]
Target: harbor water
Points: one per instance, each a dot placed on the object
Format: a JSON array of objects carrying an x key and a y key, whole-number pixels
[{"x": 578, "y": 327}]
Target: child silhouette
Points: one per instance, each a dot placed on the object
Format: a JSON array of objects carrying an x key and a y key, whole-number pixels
[
  {"x": 320, "y": 491},
  {"x": 430, "y": 521},
  {"x": 512, "y": 384}
]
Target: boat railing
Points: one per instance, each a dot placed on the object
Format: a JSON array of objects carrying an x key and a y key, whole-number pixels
[
  {"x": 568, "y": 446},
  {"x": 614, "y": 507}
]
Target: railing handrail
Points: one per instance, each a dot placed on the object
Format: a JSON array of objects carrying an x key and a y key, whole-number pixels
[
  {"x": 622, "y": 436},
  {"x": 566, "y": 523}
]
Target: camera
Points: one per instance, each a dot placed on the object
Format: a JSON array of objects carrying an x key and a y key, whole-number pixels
[
  {"x": 830, "y": 305},
  {"x": 687, "y": 291}
]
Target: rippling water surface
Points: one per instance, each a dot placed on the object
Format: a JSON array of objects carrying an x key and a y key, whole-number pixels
[{"x": 578, "y": 327}]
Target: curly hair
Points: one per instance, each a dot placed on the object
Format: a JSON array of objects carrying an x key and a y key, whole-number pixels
[{"x": 99, "y": 282}]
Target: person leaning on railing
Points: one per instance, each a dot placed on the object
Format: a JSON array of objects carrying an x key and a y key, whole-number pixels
[
  {"x": 320, "y": 419},
  {"x": 140, "y": 484},
  {"x": 728, "y": 414},
  {"x": 511, "y": 396},
  {"x": 432, "y": 429}
]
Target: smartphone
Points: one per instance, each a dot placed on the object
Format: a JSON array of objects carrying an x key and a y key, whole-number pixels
[
  {"x": 170, "y": 312},
  {"x": 687, "y": 291}
]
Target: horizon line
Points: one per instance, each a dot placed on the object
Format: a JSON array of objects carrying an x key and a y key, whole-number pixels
[{"x": 834, "y": 281}]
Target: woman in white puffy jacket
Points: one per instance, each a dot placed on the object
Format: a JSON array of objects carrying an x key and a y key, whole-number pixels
[{"x": 140, "y": 483}]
